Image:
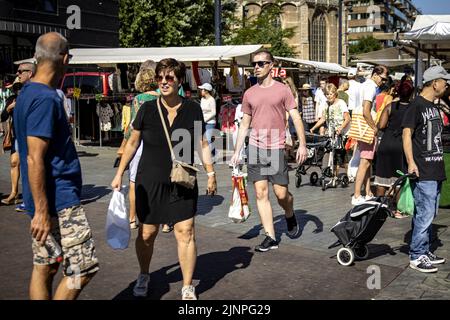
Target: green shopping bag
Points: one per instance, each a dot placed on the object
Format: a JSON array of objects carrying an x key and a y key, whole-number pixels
[{"x": 405, "y": 202}]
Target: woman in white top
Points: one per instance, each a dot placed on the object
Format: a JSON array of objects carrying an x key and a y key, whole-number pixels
[{"x": 208, "y": 105}]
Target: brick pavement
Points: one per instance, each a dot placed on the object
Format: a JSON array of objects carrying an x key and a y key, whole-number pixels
[{"x": 228, "y": 268}]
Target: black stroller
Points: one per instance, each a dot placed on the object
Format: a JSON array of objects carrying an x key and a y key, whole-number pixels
[
  {"x": 328, "y": 179},
  {"x": 360, "y": 225},
  {"x": 318, "y": 146}
]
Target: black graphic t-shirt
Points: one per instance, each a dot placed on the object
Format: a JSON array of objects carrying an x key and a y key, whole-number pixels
[{"x": 424, "y": 118}]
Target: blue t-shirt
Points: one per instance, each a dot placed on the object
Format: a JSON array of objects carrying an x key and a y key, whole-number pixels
[{"x": 39, "y": 112}]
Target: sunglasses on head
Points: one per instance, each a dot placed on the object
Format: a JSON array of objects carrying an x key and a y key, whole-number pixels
[
  {"x": 260, "y": 64},
  {"x": 169, "y": 79}
]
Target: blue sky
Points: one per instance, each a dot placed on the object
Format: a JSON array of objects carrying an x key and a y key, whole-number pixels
[{"x": 433, "y": 6}]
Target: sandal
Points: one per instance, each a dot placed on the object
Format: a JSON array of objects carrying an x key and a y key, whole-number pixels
[
  {"x": 11, "y": 201},
  {"x": 133, "y": 224},
  {"x": 399, "y": 215},
  {"x": 167, "y": 228}
]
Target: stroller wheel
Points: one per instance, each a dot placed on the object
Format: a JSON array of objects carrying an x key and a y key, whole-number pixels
[
  {"x": 314, "y": 178},
  {"x": 344, "y": 181},
  {"x": 298, "y": 180},
  {"x": 362, "y": 252},
  {"x": 323, "y": 183},
  {"x": 345, "y": 256}
]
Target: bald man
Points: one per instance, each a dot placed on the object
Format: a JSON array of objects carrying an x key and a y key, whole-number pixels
[{"x": 51, "y": 179}]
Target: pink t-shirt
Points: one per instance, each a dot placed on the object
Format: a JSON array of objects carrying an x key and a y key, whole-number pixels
[{"x": 267, "y": 107}]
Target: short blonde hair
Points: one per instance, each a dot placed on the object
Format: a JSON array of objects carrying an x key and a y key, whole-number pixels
[
  {"x": 145, "y": 80},
  {"x": 331, "y": 88}
]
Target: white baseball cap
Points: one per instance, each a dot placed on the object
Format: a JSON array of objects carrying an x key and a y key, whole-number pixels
[{"x": 207, "y": 86}]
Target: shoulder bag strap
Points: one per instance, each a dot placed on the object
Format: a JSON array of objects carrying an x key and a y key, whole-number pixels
[{"x": 172, "y": 154}]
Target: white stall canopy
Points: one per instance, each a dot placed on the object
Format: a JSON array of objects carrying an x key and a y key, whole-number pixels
[
  {"x": 430, "y": 29},
  {"x": 318, "y": 66},
  {"x": 202, "y": 54}
]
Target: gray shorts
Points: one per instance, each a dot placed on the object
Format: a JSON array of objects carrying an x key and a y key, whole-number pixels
[
  {"x": 134, "y": 163},
  {"x": 267, "y": 164}
]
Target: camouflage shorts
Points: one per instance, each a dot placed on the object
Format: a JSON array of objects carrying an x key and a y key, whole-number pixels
[{"x": 69, "y": 242}]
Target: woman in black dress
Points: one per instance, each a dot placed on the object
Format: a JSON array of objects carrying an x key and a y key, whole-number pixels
[
  {"x": 158, "y": 201},
  {"x": 390, "y": 156}
]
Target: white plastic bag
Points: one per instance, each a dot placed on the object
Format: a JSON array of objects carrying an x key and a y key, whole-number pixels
[
  {"x": 117, "y": 225},
  {"x": 353, "y": 165},
  {"x": 239, "y": 209}
]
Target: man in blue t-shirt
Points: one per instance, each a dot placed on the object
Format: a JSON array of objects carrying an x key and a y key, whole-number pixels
[{"x": 51, "y": 179}]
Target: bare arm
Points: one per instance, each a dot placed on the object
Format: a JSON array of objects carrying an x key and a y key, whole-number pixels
[
  {"x": 130, "y": 149},
  {"x": 302, "y": 153},
  {"x": 40, "y": 225},
  {"x": 318, "y": 124},
  {"x": 407, "y": 148},
  {"x": 347, "y": 120},
  {"x": 243, "y": 129},
  {"x": 367, "y": 106},
  {"x": 384, "y": 117},
  {"x": 205, "y": 155}
]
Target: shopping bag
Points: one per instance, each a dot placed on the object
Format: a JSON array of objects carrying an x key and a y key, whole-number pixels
[
  {"x": 360, "y": 129},
  {"x": 239, "y": 209},
  {"x": 117, "y": 225},
  {"x": 405, "y": 202},
  {"x": 353, "y": 165}
]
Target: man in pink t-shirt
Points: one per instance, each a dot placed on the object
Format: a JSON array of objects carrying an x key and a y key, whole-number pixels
[{"x": 264, "y": 106}]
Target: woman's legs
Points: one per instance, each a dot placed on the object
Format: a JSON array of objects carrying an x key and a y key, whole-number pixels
[
  {"x": 144, "y": 245},
  {"x": 15, "y": 175},
  {"x": 187, "y": 250}
]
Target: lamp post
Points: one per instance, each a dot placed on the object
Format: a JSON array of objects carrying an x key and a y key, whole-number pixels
[{"x": 217, "y": 21}]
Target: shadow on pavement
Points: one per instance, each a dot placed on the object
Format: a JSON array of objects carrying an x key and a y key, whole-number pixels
[
  {"x": 86, "y": 154},
  {"x": 280, "y": 225},
  {"x": 91, "y": 193},
  {"x": 435, "y": 241},
  {"x": 207, "y": 203},
  {"x": 210, "y": 269}
]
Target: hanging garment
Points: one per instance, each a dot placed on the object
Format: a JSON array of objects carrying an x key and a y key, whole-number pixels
[
  {"x": 105, "y": 113},
  {"x": 227, "y": 116}
]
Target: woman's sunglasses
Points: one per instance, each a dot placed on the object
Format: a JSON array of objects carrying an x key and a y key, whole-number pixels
[{"x": 169, "y": 79}]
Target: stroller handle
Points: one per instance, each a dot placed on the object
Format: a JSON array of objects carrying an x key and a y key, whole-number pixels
[{"x": 400, "y": 180}]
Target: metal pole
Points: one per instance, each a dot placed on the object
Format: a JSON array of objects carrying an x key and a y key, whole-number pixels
[
  {"x": 217, "y": 21},
  {"x": 340, "y": 33},
  {"x": 416, "y": 76}
]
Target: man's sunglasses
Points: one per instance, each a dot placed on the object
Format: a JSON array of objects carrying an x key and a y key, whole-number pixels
[
  {"x": 169, "y": 79},
  {"x": 260, "y": 64},
  {"x": 383, "y": 79},
  {"x": 22, "y": 71}
]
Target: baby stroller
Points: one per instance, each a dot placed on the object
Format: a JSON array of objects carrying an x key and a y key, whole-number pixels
[
  {"x": 327, "y": 178},
  {"x": 317, "y": 147},
  {"x": 360, "y": 225}
]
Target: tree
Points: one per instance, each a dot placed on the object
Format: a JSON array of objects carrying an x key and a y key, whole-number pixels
[
  {"x": 265, "y": 29},
  {"x": 159, "y": 23},
  {"x": 364, "y": 45}
]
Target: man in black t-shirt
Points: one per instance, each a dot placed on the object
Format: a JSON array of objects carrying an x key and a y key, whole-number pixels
[{"x": 422, "y": 143}]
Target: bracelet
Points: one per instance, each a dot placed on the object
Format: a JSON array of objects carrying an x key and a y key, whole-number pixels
[{"x": 210, "y": 174}]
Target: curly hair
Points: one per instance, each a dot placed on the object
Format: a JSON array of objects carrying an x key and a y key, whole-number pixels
[{"x": 145, "y": 80}]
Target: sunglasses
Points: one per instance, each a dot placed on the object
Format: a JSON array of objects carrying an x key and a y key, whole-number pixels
[
  {"x": 169, "y": 79},
  {"x": 22, "y": 71},
  {"x": 260, "y": 64},
  {"x": 383, "y": 79}
]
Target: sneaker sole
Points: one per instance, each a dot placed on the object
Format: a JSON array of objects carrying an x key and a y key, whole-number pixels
[
  {"x": 139, "y": 295},
  {"x": 438, "y": 261},
  {"x": 423, "y": 270},
  {"x": 265, "y": 250}
]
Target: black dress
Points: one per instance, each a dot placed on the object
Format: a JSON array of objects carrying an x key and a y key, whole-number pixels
[
  {"x": 390, "y": 155},
  {"x": 158, "y": 201}
]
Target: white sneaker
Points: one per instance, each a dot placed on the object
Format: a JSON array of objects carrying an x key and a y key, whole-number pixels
[
  {"x": 423, "y": 264},
  {"x": 141, "y": 287},
  {"x": 367, "y": 197},
  {"x": 188, "y": 293},
  {"x": 358, "y": 201}
]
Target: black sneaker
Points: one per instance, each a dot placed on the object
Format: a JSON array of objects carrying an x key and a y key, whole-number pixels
[
  {"x": 423, "y": 264},
  {"x": 292, "y": 227},
  {"x": 267, "y": 244},
  {"x": 434, "y": 259}
]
